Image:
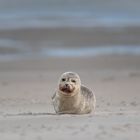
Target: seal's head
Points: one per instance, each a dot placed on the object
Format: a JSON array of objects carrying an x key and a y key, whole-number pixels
[{"x": 69, "y": 84}]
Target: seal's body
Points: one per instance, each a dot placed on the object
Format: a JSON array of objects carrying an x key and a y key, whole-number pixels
[{"x": 71, "y": 97}]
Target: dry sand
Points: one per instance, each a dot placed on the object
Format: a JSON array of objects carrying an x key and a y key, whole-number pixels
[{"x": 26, "y": 87}]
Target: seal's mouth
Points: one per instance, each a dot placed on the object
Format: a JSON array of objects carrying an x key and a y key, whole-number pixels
[{"x": 67, "y": 89}]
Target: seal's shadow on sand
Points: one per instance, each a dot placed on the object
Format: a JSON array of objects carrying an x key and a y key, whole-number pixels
[
  {"x": 44, "y": 114},
  {"x": 30, "y": 114}
]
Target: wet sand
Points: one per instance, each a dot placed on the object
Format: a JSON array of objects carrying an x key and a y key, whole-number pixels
[{"x": 74, "y": 36}]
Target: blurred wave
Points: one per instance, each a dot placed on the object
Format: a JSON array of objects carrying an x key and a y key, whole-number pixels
[
  {"x": 69, "y": 52},
  {"x": 74, "y": 13},
  {"x": 20, "y": 19}
]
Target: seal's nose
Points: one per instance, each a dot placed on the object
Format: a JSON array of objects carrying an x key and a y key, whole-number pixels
[{"x": 66, "y": 85}]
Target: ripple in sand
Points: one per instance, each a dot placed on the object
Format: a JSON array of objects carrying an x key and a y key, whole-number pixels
[
  {"x": 133, "y": 103},
  {"x": 108, "y": 79},
  {"x": 43, "y": 126},
  {"x": 17, "y": 127},
  {"x": 134, "y": 74},
  {"x": 38, "y": 138},
  {"x": 49, "y": 128},
  {"x": 123, "y": 103},
  {"x": 108, "y": 104},
  {"x": 4, "y": 83}
]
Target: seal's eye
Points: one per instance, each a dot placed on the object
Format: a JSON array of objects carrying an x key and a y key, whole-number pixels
[
  {"x": 63, "y": 79},
  {"x": 73, "y": 81}
]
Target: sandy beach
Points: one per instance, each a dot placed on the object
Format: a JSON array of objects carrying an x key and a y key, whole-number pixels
[{"x": 26, "y": 87}]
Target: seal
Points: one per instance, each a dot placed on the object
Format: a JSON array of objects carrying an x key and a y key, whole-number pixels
[{"x": 71, "y": 97}]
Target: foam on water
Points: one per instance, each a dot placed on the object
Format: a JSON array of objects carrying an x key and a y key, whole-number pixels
[
  {"x": 91, "y": 51},
  {"x": 64, "y": 20},
  {"x": 73, "y": 52}
]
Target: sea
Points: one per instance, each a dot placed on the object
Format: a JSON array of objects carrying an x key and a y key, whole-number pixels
[{"x": 27, "y": 14}]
